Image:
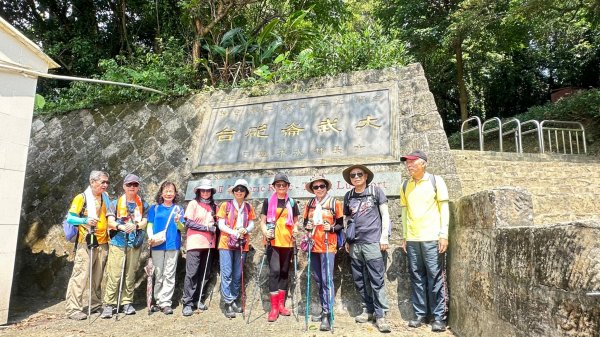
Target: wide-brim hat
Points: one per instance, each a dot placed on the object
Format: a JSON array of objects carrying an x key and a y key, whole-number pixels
[
  {"x": 205, "y": 184},
  {"x": 240, "y": 182},
  {"x": 317, "y": 177},
  {"x": 281, "y": 177},
  {"x": 346, "y": 173}
]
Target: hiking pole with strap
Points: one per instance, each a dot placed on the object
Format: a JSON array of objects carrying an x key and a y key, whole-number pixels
[
  {"x": 329, "y": 281},
  {"x": 242, "y": 270},
  {"x": 307, "y": 311},
  {"x": 205, "y": 269},
  {"x": 91, "y": 245},
  {"x": 294, "y": 306},
  {"x": 262, "y": 263},
  {"x": 122, "y": 274}
]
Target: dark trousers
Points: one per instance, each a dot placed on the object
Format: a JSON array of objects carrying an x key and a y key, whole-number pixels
[
  {"x": 195, "y": 262},
  {"x": 368, "y": 269},
  {"x": 279, "y": 266},
  {"x": 318, "y": 263},
  {"x": 427, "y": 276}
]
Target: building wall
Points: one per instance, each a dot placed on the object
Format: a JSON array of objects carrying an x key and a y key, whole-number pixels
[{"x": 16, "y": 108}]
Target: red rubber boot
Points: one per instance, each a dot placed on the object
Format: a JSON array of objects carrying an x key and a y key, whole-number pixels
[
  {"x": 283, "y": 311},
  {"x": 274, "y": 313}
]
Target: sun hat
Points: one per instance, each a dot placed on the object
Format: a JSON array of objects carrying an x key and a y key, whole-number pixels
[
  {"x": 317, "y": 177},
  {"x": 346, "y": 173},
  {"x": 205, "y": 184},
  {"x": 240, "y": 182}
]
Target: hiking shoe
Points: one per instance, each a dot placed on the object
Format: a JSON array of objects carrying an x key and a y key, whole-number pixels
[
  {"x": 382, "y": 325},
  {"x": 128, "y": 309},
  {"x": 325, "y": 326},
  {"x": 317, "y": 317},
  {"x": 187, "y": 311},
  {"x": 155, "y": 308},
  {"x": 229, "y": 312},
  {"x": 438, "y": 326},
  {"x": 167, "y": 310},
  {"x": 202, "y": 306},
  {"x": 415, "y": 323},
  {"x": 364, "y": 317},
  {"x": 107, "y": 312},
  {"x": 236, "y": 308},
  {"x": 78, "y": 316}
]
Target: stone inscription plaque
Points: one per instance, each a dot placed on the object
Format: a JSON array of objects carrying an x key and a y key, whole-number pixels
[
  {"x": 261, "y": 187},
  {"x": 333, "y": 127}
]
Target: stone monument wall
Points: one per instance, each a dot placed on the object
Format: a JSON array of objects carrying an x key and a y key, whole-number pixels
[
  {"x": 511, "y": 278},
  {"x": 170, "y": 141}
]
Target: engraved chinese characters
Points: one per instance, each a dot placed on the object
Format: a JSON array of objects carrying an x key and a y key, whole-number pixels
[{"x": 332, "y": 127}]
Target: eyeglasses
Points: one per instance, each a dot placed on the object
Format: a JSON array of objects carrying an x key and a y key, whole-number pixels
[
  {"x": 280, "y": 185},
  {"x": 356, "y": 175},
  {"x": 132, "y": 184},
  {"x": 239, "y": 189},
  {"x": 316, "y": 187},
  {"x": 104, "y": 182},
  {"x": 205, "y": 191}
]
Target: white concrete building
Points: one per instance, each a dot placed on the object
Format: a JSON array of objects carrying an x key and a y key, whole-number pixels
[{"x": 17, "y": 92}]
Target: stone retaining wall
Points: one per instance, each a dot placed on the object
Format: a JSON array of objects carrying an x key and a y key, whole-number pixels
[
  {"x": 563, "y": 187},
  {"x": 160, "y": 142},
  {"x": 511, "y": 278}
]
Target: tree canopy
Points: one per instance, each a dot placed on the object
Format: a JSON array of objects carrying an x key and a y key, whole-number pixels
[{"x": 482, "y": 57}]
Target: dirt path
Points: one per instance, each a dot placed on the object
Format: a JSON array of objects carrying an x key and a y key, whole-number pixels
[{"x": 32, "y": 318}]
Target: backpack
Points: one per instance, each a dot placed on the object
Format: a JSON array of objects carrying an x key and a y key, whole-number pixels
[
  {"x": 72, "y": 232},
  {"x": 341, "y": 234},
  {"x": 370, "y": 192},
  {"x": 431, "y": 179}
]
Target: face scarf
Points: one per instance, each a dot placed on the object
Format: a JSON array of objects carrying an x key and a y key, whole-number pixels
[
  {"x": 318, "y": 212},
  {"x": 272, "y": 210}
]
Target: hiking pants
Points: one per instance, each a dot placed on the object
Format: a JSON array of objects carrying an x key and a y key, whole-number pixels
[
  {"x": 427, "y": 276},
  {"x": 196, "y": 261},
  {"x": 279, "y": 266},
  {"x": 318, "y": 264},
  {"x": 370, "y": 284},
  {"x": 79, "y": 281},
  {"x": 113, "y": 274},
  {"x": 165, "y": 265},
  {"x": 232, "y": 264}
]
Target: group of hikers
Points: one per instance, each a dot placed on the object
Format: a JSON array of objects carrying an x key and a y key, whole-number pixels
[{"x": 111, "y": 233}]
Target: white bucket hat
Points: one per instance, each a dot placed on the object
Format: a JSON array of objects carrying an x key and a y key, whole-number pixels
[
  {"x": 240, "y": 182},
  {"x": 205, "y": 184}
]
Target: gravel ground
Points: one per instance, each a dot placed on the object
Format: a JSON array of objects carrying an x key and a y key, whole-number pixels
[{"x": 29, "y": 317}]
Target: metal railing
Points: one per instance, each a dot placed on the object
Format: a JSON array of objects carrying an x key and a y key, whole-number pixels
[
  {"x": 571, "y": 134},
  {"x": 552, "y": 128}
]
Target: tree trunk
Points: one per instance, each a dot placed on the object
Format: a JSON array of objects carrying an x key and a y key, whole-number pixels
[
  {"x": 122, "y": 22},
  {"x": 460, "y": 77}
]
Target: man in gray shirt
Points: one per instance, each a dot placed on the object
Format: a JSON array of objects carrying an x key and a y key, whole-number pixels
[{"x": 367, "y": 228}]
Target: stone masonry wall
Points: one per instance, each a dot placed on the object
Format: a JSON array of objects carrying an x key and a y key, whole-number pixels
[
  {"x": 563, "y": 187},
  {"x": 511, "y": 278},
  {"x": 160, "y": 142}
]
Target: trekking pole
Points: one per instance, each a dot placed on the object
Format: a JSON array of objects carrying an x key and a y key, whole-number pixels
[
  {"x": 307, "y": 286},
  {"x": 329, "y": 281},
  {"x": 294, "y": 306},
  {"x": 257, "y": 283},
  {"x": 122, "y": 275},
  {"x": 90, "y": 266},
  {"x": 205, "y": 269},
  {"x": 242, "y": 270}
]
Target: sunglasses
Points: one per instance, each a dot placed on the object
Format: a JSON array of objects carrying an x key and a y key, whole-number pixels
[
  {"x": 205, "y": 191},
  {"x": 239, "y": 189},
  {"x": 356, "y": 175},
  {"x": 316, "y": 187},
  {"x": 280, "y": 185},
  {"x": 104, "y": 182},
  {"x": 132, "y": 184}
]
